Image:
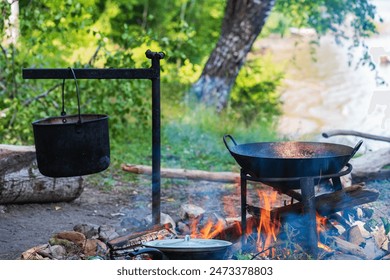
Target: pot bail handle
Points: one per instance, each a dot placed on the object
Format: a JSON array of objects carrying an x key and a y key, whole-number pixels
[
  {"x": 78, "y": 94},
  {"x": 63, "y": 113},
  {"x": 231, "y": 138}
]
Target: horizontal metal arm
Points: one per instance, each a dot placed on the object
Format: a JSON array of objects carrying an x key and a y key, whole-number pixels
[{"x": 110, "y": 73}]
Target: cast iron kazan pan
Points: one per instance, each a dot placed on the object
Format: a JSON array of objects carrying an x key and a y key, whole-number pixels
[{"x": 290, "y": 159}]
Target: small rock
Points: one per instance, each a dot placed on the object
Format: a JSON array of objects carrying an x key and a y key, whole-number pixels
[
  {"x": 190, "y": 211},
  {"x": 355, "y": 236},
  {"x": 95, "y": 247},
  {"x": 363, "y": 231},
  {"x": 58, "y": 252},
  {"x": 89, "y": 230},
  {"x": 73, "y": 236},
  {"x": 359, "y": 213},
  {"x": 380, "y": 238},
  {"x": 165, "y": 219},
  {"x": 3, "y": 209},
  {"x": 107, "y": 232}
]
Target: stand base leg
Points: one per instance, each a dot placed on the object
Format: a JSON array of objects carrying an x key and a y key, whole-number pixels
[{"x": 309, "y": 210}]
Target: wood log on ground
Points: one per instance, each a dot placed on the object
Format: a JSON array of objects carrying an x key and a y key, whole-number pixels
[
  {"x": 227, "y": 177},
  {"x": 21, "y": 181},
  {"x": 370, "y": 165},
  {"x": 328, "y": 203}
]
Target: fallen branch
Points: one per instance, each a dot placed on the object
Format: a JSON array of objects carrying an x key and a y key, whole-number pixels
[
  {"x": 355, "y": 133},
  {"x": 226, "y": 177}
]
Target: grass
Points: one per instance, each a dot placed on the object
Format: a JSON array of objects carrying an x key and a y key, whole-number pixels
[{"x": 190, "y": 139}]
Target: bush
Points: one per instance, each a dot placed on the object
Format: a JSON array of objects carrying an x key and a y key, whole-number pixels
[{"x": 255, "y": 98}]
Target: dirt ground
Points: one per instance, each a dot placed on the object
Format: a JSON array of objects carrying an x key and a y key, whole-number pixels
[{"x": 122, "y": 206}]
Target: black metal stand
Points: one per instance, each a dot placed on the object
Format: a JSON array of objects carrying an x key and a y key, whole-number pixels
[
  {"x": 306, "y": 184},
  {"x": 153, "y": 74}
]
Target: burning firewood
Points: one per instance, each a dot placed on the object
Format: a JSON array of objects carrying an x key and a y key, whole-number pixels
[
  {"x": 329, "y": 203},
  {"x": 119, "y": 246}
]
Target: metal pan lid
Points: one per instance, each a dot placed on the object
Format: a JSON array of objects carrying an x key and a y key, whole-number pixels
[{"x": 188, "y": 243}]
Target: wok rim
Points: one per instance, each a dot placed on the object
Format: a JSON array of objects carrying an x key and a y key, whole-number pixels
[{"x": 267, "y": 144}]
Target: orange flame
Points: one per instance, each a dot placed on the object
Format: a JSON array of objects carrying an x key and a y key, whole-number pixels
[
  {"x": 268, "y": 226},
  {"x": 321, "y": 222},
  {"x": 208, "y": 231}
]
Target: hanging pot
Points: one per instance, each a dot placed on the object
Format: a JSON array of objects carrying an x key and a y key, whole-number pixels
[
  {"x": 185, "y": 249},
  {"x": 72, "y": 145}
]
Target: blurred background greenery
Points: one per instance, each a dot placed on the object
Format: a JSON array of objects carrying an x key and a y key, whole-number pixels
[{"x": 116, "y": 33}]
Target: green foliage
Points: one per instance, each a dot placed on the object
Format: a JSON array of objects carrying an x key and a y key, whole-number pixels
[
  {"x": 255, "y": 96},
  {"x": 348, "y": 21},
  {"x": 116, "y": 33}
]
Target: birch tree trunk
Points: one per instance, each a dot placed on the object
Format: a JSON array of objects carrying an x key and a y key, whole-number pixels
[
  {"x": 11, "y": 24},
  {"x": 242, "y": 23}
]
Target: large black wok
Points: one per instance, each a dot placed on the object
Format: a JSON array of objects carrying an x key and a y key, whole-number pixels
[{"x": 290, "y": 159}]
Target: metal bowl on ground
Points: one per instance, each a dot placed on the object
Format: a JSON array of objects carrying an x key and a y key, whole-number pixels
[{"x": 186, "y": 249}]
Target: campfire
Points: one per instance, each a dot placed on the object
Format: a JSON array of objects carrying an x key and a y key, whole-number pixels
[
  {"x": 275, "y": 229},
  {"x": 304, "y": 216}
]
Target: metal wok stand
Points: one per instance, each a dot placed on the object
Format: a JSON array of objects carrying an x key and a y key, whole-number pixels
[
  {"x": 153, "y": 74},
  {"x": 307, "y": 197}
]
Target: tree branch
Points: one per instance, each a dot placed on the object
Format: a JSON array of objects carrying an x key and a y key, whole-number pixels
[{"x": 42, "y": 95}]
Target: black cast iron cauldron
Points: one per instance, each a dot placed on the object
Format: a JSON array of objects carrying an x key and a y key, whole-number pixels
[
  {"x": 185, "y": 249},
  {"x": 291, "y": 159},
  {"x": 72, "y": 145}
]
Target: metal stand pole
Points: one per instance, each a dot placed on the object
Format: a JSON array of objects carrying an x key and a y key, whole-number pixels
[
  {"x": 243, "y": 203},
  {"x": 156, "y": 139}
]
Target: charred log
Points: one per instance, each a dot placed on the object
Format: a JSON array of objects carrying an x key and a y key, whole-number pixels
[{"x": 120, "y": 246}]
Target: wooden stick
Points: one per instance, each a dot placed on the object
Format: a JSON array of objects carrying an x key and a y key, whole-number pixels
[
  {"x": 355, "y": 133},
  {"x": 226, "y": 177}
]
